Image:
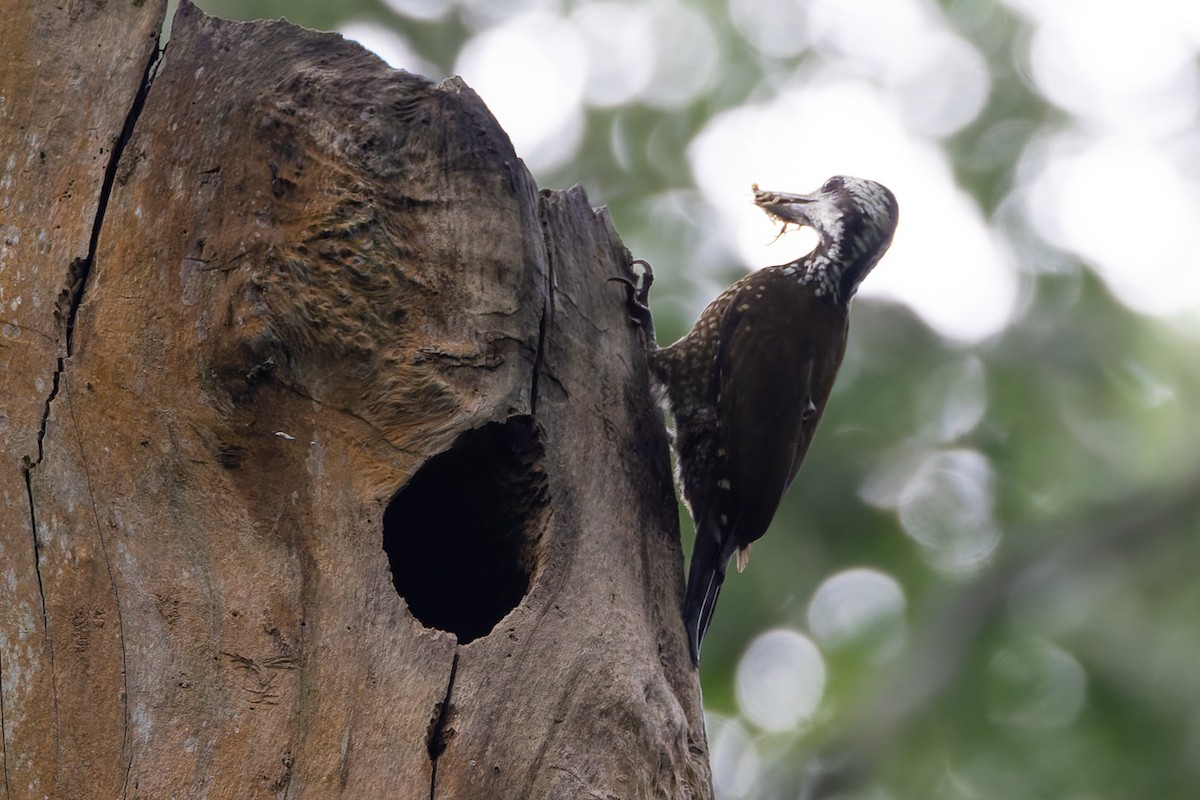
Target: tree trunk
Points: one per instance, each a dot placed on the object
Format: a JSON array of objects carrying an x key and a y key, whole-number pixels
[{"x": 329, "y": 465}]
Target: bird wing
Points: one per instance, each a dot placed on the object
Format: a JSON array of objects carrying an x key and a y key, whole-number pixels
[
  {"x": 775, "y": 371},
  {"x": 771, "y": 377}
]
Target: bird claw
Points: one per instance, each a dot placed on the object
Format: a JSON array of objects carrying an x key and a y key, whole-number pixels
[{"x": 637, "y": 295}]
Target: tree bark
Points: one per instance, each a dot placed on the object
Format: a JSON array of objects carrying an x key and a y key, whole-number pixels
[{"x": 329, "y": 462}]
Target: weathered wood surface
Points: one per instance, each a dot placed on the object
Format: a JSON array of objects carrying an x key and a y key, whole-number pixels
[
  {"x": 314, "y": 275},
  {"x": 69, "y": 75}
]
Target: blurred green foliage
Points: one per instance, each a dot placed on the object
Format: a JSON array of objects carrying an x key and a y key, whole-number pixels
[{"x": 1066, "y": 665}]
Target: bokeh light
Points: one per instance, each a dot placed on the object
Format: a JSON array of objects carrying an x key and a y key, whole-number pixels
[
  {"x": 946, "y": 507},
  {"x": 531, "y": 71},
  {"x": 776, "y": 28},
  {"x": 620, "y": 51},
  {"x": 685, "y": 57},
  {"x": 1119, "y": 188},
  {"x": 420, "y": 9},
  {"x": 859, "y": 607},
  {"x": 943, "y": 85},
  {"x": 944, "y": 500},
  {"x": 482, "y": 14},
  {"x": 953, "y": 400},
  {"x": 1152, "y": 86},
  {"x": 393, "y": 48},
  {"x": 732, "y": 755},
  {"x": 1035, "y": 686},
  {"x": 1125, "y": 205},
  {"x": 938, "y": 78},
  {"x": 780, "y": 680}
]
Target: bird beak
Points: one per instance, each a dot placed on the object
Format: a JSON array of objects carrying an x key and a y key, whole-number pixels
[{"x": 784, "y": 206}]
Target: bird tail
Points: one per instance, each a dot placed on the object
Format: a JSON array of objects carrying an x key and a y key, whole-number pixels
[{"x": 705, "y": 576}]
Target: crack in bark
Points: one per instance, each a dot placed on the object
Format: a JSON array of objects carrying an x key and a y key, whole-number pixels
[
  {"x": 110, "y": 176},
  {"x": 71, "y": 296},
  {"x": 539, "y": 357},
  {"x": 58, "y": 370},
  {"x": 37, "y": 566},
  {"x": 547, "y": 315},
  {"x": 7, "y": 789},
  {"x": 439, "y": 734}
]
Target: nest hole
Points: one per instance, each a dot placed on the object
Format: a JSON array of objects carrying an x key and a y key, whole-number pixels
[{"x": 463, "y": 535}]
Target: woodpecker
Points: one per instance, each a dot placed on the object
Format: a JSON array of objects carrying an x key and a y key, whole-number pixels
[{"x": 748, "y": 383}]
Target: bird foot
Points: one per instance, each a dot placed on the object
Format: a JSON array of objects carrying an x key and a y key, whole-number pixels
[{"x": 637, "y": 296}]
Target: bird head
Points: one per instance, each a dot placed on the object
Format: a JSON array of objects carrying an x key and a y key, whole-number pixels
[{"x": 854, "y": 218}]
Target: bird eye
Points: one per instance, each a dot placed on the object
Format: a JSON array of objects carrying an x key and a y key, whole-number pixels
[{"x": 832, "y": 185}]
